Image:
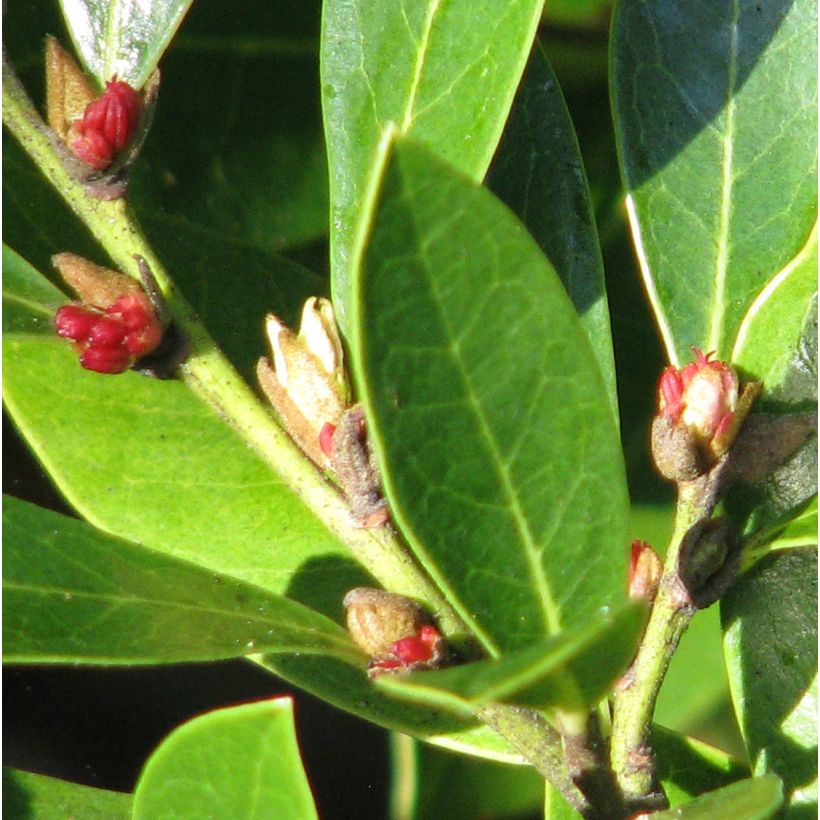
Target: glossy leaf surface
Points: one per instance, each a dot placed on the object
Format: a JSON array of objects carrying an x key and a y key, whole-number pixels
[
  {"x": 770, "y": 623},
  {"x": 444, "y": 72},
  {"x": 123, "y": 37},
  {"x": 499, "y": 451},
  {"x": 570, "y": 671},
  {"x": 241, "y": 762},
  {"x": 146, "y": 460},
  {"x": 754, "y": 799},
  {"x": 72, "y": 594},
  {"x": 772, "y": 329},
  {"x": 538, "y": 172},
  {"x": 28, "y": 796},
  {"x": 715, "y": 111}
]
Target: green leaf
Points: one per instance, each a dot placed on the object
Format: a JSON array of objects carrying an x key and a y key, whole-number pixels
[
  {"x": 499, "y": 452},
  {"x": 241, "y": 763},
  {"x": 146, "y": 460},
  {"x": 72, "y": 594},
  {"x": 430, "y": 784},
  {"x": 771, "y": 331},
  {"x": 570, "y": 671},
  {"x": 761, "y": 509},
  {"x": 539, "y": 174},
  {"x": 688, "y": 767},
  {"x": 798, "y": 529},
  {"x": 28, "y": 796},
  {"x": 754, "y": 799},
  {"x": 715, "y": 114},
  {"x": 30, "y": 300},
  {"x": 123, "y": 37},
  {"x": 770, "y": 623},
  {"x": 446, "y": 73}
]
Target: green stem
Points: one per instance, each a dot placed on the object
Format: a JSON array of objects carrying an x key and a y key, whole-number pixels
[
  {"x": 532, "y": 737},
  {"x": 207, "y": 372},
  {"x": 631, "y": 755}
]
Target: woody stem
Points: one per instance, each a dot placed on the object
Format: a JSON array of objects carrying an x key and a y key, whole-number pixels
[{"x": 631, "y": 756}]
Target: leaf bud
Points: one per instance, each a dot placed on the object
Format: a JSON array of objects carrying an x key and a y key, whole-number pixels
[
  {"x": 645, "y": 570},
  {"x": 708, "y": 561}
]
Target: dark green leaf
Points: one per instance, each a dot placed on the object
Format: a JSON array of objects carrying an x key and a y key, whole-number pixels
[
  {"x": 539, "y": 174},
  {"x": 72, "y": 594},
  {"x": 570, "y": 671},
  {"x": 763, "y": 507},
  {"x": 122, "y": 37},
  {"x": 754, "y": 799},
  {"x": 348, "y": 688},
  {"x": 446, "y": 73},
  {"x": 770, "y": 623},
  {"x": 29, "y": 796},
  {"x": 715, "y": 111},
  {"x": 500, "y": 454},
  {"x": 236, "y": 144},
  {"x": 241, "y": 763},
  {"x": 430, "y": 784}
]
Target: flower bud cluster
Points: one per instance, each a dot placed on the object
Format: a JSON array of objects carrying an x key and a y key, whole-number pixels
[
  {"x": 700, "y": 410},
  {"x": 114, "y": 323},
  {"x": 393, "y": 631},
  {"x": 111, "y": 340},
  {"x": 106, "y": 126}
]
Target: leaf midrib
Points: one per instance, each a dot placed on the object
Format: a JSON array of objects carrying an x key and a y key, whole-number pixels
[
  {"x": 418, "y": 68},
  {"x": 549, "y": 608},
  {"x": 726, "y": 187}
]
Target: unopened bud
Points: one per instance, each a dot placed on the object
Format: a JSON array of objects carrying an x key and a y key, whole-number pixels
[
  {"x": 700, "y": 411},
  {"x": 117, "y": 322},
  {"x": 304, "y": 380},
  {"x": 393, "y": 630},
  {"x": 708, "y": 561},
  {"x": 377, "y": 619},
  {"x": 645, "y": 570}
]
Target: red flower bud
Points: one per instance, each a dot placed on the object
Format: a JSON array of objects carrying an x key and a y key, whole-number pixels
[
  {"x": 91, "y": 147},
  {"x": 107, "y": 332},
  {"x": 702, "y": 396},
  {"x": 115, "y": 114},
  {"x": 75, "y": 322},
  {"x": 105, "y": 359},
  {"x": 111, "y": 340},
  {"x": 107, "y": 125}
]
